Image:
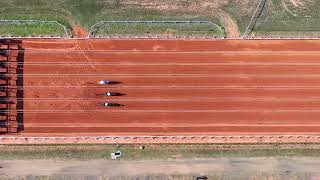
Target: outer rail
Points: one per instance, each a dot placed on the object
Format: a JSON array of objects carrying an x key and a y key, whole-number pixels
[{"x": 95, "y": 28}]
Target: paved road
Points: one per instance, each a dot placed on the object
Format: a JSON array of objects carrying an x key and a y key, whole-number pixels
[{"x": 310, "y": 166}]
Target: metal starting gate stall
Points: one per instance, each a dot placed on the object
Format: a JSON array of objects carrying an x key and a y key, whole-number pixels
[{"x": 9, "y": 52}]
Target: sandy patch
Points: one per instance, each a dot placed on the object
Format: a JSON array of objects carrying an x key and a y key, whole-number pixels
[
  {"x": 299, "y": 3},
  {"x": 298, "y": 7},
  {"x": 177, "y": 4},
  {"x": 79, "y": 32},
  {"x": 230, "y": 26},
  {"x": 212, "y": 7},
  {"x": 287, "y": 9}
]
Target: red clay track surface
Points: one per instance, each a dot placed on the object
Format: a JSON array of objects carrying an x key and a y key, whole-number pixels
[{"x": 171, "y": 87}]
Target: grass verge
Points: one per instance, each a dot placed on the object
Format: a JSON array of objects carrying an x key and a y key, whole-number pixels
[
  {"x": 159, "y": 152},
  {"x": 159, "y": 30},
  {"x": 282, "y": 18},
  {"x": 37, "y": 29}
]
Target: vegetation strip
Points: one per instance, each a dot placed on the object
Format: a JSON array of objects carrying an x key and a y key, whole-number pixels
[{"x": 155, "y": 151}]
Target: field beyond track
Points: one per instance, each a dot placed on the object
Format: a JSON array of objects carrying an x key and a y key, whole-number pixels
[{"x": 284, "y": 18}]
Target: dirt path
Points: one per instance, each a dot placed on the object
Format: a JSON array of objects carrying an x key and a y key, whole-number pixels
[
  {"x": 298, "y": 3},
  {"x": 287, "y": 9},
  {"x": 297, "y": 7},
  {"x": 230, "y": 26},
  {"x": 79, "y": 32},
  {"x": 156, "y": 167},
  {"x": 211, "y": 7}
]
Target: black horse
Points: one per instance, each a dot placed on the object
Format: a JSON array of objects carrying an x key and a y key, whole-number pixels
[
  {"x": 113, "y": 94},
  {"x": 112, "y": 105}
]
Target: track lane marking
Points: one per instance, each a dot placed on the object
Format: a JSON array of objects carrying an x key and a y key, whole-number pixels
[
  {"x": 245, "y": 75},
  {"x": 250, "y": 52},
  {"x": 180, "y": 87},
  {"x": 164, "y": 111},
  {"x": 177, "y": 124},
  {"x": 175, "y": 64},
  {"x": 188, "y": 99}
]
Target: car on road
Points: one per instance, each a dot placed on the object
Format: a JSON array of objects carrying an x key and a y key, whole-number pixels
[{"x": 201, "y": 178}]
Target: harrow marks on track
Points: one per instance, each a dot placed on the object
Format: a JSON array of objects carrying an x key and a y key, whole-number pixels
[{"x": 171, "y": 87}]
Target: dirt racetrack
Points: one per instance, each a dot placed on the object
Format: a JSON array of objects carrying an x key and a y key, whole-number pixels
[{"x": 171, "y": 87}]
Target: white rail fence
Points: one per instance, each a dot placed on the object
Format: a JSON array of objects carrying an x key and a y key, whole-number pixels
[{"x": 96, "y": 27}]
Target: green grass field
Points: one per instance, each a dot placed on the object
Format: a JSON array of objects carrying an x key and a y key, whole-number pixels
[
  {"x": 37, "y": 29},
  {"x": 279, "y": 18},
  {"x": 86, "y": 13},
  {"x": 289, "y": 20},
  {"x": 160, "y": 30}
]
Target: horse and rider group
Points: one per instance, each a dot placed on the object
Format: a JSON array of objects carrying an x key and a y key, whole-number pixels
[{"x": 110, "y": 93}]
